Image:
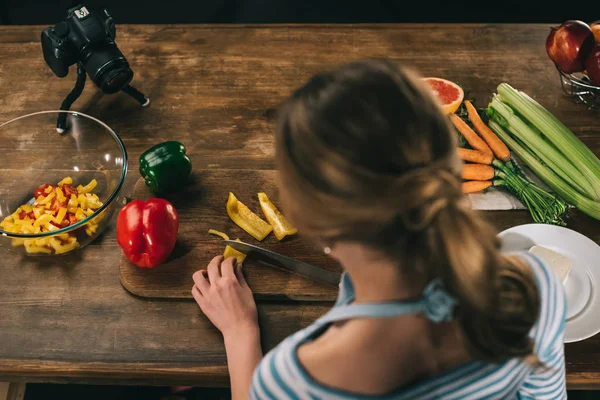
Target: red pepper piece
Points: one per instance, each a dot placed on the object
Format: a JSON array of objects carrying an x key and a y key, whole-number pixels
[
  {"x": 147, "y": 231},
  {"x": 68, "y": 190},
  {"x": 40, "y": 190}
]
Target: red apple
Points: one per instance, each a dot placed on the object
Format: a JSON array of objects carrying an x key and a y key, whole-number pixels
[
  {"x": 569, "y": 45},
  {"x": 592, "y": 65},
  {"x": 596, "y": 29}
]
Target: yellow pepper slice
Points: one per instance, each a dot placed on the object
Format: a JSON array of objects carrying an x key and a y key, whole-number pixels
[
  {"x": 83, "y": 203},
  {"x": 68, "y": 181},
  {"x": 37, "y": 249},
  {"x": 48, "y": 189},
  {"x": 37, "y": 211},
  {"x": 87, "y": 188},
  {"x": 280, "y": 224},
  {"x": 62, "y": 212},
  {"x": 80, "y": 215},
  {"x": 45, "y": 200},
  {"x": 246, "y": 219},
  {"x": 43, "y": 220},
  {"x": 231, "y": 252},
  {"x": 60, "y": 248},
  {"x": 60, "y": 195},
  {"x": 27, "y": 208},
  {"x": 219, "y": 234}
]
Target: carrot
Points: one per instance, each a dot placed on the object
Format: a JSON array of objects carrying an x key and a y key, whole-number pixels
[
  {"x": 493, "y": 141},
  {"x": 474, "y": 140},
  {"x": 477, "y": 172},
  {"x": 475, "y": 186},
  {"x": 475, "y": 156}
]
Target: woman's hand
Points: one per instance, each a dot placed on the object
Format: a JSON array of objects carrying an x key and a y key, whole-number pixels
[
  {"x": 225, "y": 298},
  {"x": 223, "y": 295}
]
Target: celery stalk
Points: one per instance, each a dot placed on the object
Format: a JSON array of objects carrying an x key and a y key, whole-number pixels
[
  {"x": 554, "y": 130},
  {"x": 581, "y": 180},
  {"x": 559, "y": 185}
]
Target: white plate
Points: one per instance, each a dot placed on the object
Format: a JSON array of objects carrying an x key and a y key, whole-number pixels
[{"x": 583, "y": 301}]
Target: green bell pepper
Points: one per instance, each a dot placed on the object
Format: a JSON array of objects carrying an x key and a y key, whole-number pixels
[{"x": 165, "y": 167}]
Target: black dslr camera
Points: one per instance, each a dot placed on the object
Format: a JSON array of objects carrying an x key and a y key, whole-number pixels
[{"x": 87, "y": 39}]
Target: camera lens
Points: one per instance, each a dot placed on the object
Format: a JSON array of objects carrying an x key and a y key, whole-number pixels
[{"x": 107, "y": 67}]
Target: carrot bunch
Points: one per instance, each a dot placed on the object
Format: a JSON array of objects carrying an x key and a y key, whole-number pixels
[
  {"x": 480, "y": 174},
  {"x": 489, "y": 164}
]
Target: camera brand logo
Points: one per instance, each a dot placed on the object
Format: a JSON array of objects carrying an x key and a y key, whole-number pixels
[{"x": 82, "y": 13}]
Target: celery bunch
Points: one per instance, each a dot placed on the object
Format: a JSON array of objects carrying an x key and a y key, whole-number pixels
[{"x": 547, "y": 147}]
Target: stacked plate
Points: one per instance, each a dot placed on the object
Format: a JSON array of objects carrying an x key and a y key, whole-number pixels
[{"x": 583, "y": 301}]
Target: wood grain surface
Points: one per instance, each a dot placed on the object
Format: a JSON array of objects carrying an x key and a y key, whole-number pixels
[
  {"x": 215, "y": 88},
  {"x": 201, "y": 206}
]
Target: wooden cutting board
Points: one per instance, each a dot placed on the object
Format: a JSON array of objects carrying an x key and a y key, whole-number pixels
[{"x": 201, "y": 206}]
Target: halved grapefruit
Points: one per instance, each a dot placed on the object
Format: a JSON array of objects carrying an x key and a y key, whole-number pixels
[{"x": 449, "y": 93}]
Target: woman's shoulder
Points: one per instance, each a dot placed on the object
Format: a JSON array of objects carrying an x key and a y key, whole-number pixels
[{"x": 278, "y": 374}]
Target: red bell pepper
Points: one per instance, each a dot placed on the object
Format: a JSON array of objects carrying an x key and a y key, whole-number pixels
[{"x": 147, "y": 231}]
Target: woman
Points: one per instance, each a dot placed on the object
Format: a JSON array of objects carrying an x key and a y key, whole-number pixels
[{"x": 428, "y": 307}]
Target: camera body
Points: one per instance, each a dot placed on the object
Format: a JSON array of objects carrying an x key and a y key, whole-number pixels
[{"x": 87, "y": 38}]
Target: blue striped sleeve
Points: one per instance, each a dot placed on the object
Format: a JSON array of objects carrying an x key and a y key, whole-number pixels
[{"x": 548, "y": 382}]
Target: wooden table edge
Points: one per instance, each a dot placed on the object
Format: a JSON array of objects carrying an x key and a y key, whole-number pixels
[
  {"x": 160, "y": 374},
  {"x": 152, "y": 374}
]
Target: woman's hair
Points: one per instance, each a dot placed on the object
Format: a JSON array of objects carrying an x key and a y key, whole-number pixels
[{"x": 366, "y": 155}]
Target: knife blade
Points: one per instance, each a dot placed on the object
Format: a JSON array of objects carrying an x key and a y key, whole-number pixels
[{"x": 279, "y": 260}]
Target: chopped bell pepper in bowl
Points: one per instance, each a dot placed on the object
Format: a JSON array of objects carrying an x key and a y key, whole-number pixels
[{"x": 59, "y": 208}]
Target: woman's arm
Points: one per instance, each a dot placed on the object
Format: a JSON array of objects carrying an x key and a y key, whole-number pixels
[
  {"x": 243, "y": 355},
  {"x": 223, "y": 295}
]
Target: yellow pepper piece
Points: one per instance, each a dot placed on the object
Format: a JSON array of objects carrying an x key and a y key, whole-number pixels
[
  {"x": 60, "y": 248},
  {"x": 27, "y": 208},
  {"x": 18, "y": 242},
  {"x": 43, "y": 220},
  {"x": 280, "y": 224},
  {"x": 80, "y": 215},
  {"x": 64, "y": 236},
  {"x": 42, "y": 242},
  {"x": 68, "y": 181},
  {"x": 62, "y": 212},
  {"x": 231, "y": 252},
  {"x": 15, "y": 216},
  {"x": 48, "y": 189},
  {"x": 60, "y": 195},
  {"x": 92, "y": 201},
  {"x": 218, "y": 233},
  {"x": 37, "y": 249},
  {"x": 47, "y": 199},
  {"x": 7, "y": 225},
  {"x": 83, "y": 203},
  {"x": 246, "y": 219},
  {"x": 67, "y": 247},
  {"x": 87, "y": 188}
]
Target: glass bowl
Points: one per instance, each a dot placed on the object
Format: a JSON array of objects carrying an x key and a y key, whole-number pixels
[{"x": 33, "y": 154}]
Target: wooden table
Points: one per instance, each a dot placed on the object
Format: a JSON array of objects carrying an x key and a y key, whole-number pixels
[{"x": 215, "y": 88}]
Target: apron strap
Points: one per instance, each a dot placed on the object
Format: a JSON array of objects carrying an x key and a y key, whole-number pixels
[{"x": 436, "y": 304}]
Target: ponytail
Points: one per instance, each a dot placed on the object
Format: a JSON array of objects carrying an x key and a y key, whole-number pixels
[{"x": 498, "y": 297}]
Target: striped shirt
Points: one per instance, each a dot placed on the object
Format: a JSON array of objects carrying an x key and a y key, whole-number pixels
[{"x": 281, "y": 376}]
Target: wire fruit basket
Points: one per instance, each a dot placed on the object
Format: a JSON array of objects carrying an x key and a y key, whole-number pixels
[{"x": 581, "y": 90}]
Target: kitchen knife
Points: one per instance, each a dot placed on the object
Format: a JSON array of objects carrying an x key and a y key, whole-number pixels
[{"x": 287, "y": 263}]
